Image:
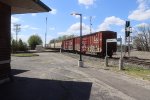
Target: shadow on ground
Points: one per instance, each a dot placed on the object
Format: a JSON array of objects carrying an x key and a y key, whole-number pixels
[
  {"x": 17, "y": 71},
  {"x": 23, "y": 88}
]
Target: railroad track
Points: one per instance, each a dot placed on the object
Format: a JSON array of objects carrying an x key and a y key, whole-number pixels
[
  {"x": 131, "y": 60},
  {"x": 138, "y": 61}
]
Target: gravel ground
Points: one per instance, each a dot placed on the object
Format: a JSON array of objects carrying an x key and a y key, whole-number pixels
[
  {"x": 139, "y": 54},
  {"x": 56, "y": 76}
]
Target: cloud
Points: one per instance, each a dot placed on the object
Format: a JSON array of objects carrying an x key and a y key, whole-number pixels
[
  {"x": 28, "y": 27},
  {"x": 85, "y": 17},
  {"x": 142, "y": 25},
  {"x": 123, "y": 30},
  {"x": 14, "y": 19},
  {"x": 75, "y": 29},
  {"x": 110, "y": 21},
  {"x": 52, "y": 28},
  {"x": 25, "y": 27},
  {"x": 24, "y": 37},
  {"x": 142, "y": 12},
  {"x": 137, "y": 28},
  {"x": 34, "y": 28},
  {"x": 77, "y": 16},
  {"x": 88, "y": 17},
  {"x": 33, "y": 14},
  {"x": 86, "y": 2},
  {"x": 53, "y": 12}
]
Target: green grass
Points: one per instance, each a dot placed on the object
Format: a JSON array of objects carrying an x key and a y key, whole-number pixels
[
  {"x": 25, "y": 55},
  {"x": 138, "y": 72},
  {"x": 133, "y": 71}
]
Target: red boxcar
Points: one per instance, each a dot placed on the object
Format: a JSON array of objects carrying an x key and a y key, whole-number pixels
[
  {"x": 68, "y": 44},
  {"x": 93, "y": 43},
  {"x": 84, "y": 44}
]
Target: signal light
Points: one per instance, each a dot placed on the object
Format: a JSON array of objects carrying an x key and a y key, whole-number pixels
[
  {"x": 127, "y": 29},
  {"x": 127, "y": 23}
]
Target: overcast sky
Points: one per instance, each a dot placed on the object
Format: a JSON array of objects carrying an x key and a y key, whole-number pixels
[{"x": 106, "y": 15}]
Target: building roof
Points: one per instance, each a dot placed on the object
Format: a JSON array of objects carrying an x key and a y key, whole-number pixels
[{"x": 26, "y": 6}]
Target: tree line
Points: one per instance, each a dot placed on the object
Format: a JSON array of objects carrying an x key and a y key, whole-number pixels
[{"x": 17, "y": 46}]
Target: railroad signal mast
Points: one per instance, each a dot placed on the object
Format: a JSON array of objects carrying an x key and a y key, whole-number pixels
[{"x": 128, "y": 30}]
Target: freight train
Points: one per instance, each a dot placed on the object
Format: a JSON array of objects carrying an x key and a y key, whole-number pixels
[{"x": 94, "y": 44}]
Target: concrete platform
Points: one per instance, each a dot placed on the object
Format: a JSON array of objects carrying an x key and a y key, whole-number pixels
[{"x": 55, "y": 76}]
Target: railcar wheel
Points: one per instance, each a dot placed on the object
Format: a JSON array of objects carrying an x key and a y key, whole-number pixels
[{"x": 110, "y": 55}]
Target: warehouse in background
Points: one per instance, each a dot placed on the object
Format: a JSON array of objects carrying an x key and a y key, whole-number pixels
[{"x": 8, "y": 7}]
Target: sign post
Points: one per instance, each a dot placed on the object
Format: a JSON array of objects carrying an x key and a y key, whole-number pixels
[
  {"x": 120, "y": 60},
  {"x": 106, "y": 57}
]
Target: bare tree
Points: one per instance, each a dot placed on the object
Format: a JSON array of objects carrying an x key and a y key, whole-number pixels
[{"x": 142, "y": 39}]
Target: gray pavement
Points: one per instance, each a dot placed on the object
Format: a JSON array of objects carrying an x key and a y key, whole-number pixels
[{"x": 55, "y": 76}]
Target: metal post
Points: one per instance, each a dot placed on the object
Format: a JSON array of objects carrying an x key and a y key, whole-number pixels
[
  {"x": 60, "y": 50},
  {"x": 121, "y": 59},
  {"x": 106, "y": 59},
  {"x": 80, "y": 37},
  {"x": 46, "y": 32},
  {"x": 80, "y": 63},
  {"x": 125, "y": 44},
  {"x": 129, "y": 46},
  {"x": 106, "y": 48},
  {"x": 121, "y": 47}
]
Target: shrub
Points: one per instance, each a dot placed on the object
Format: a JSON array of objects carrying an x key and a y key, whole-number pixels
[{"x": 34, "y": 40}]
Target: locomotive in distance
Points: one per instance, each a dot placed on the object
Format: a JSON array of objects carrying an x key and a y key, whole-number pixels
[{"x": 94, "y": 44}]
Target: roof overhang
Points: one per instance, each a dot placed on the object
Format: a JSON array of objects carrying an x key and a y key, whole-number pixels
[{"x": 26, "y": 6}]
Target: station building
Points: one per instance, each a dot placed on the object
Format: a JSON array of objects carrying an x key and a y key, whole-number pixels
[{"x": 7, "y": 8}]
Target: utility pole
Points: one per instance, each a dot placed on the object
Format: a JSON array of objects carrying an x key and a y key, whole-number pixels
[
  {"x": 17, "y": 30},
  {"x": 46, "y": 32},
  {"x": 90, "y": 24}
]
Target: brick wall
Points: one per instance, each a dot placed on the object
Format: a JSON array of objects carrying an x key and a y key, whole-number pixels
[{"x": 5, "y": 49}]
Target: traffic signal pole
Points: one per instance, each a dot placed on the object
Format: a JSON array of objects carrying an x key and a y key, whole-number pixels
[
  {"x": 129, "y": 46},
  {"x": 127, "y": 36}
]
